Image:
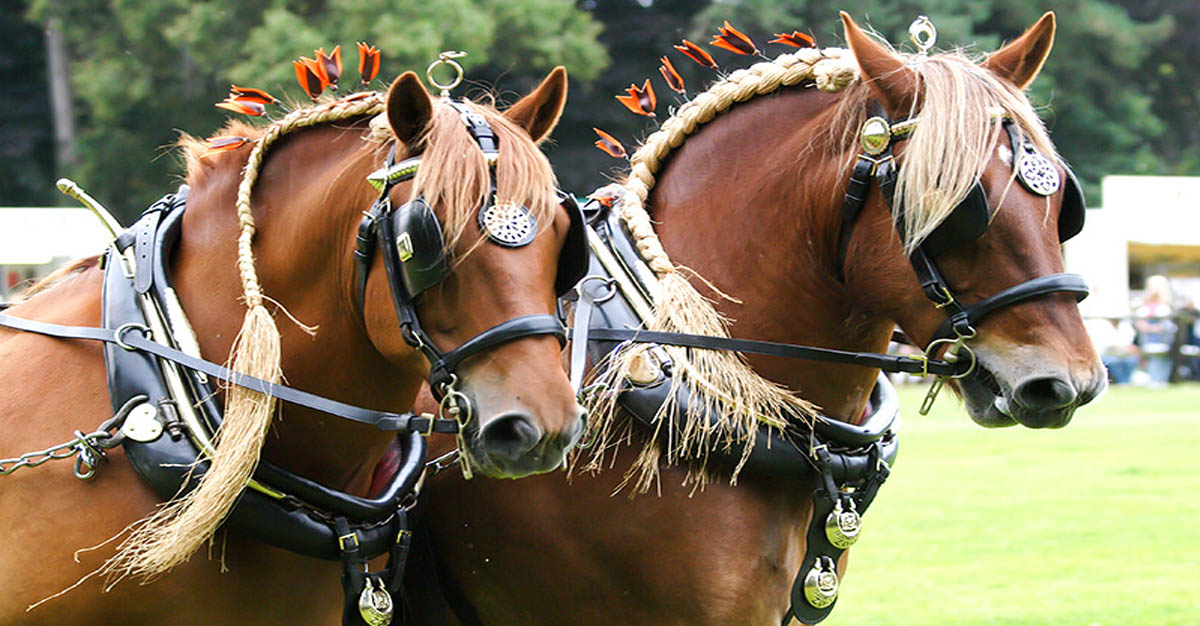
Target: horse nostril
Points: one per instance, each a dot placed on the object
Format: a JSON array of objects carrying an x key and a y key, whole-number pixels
[
  {"x": 1046, "y": 393},
  {"x": 510, "y": 435}
]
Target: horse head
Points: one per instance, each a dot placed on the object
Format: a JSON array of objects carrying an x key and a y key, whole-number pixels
[
  {"x": 491, "y": 247},
  {"x": 981, "y": 197}
]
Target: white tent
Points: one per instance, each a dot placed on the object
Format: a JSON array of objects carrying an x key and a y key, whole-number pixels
[
  {"x": 1143, "y": 216},
  {"x": 38, "y": 236}
]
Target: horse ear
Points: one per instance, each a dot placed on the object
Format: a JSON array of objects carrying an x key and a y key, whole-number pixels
[
  {"x": 1020, "y": 61},
  {"x": 885, "y": 72},
  {"x": 409, "y": 108},
  {"x": 539, "y": 111}
]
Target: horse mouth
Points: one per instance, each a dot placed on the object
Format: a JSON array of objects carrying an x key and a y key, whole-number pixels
[{"x": 991, "y": 404}]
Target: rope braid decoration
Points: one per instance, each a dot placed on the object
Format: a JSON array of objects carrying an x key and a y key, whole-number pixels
[
  {"x": 720, "y": 383},
  {"x": 172, "y": 534}
]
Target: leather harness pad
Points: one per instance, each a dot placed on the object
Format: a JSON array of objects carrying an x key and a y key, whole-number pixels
[
  {"x": 773, "y": 454},
  {"x": 166, "y": 463},
  {"x": 420, "y": 246}
]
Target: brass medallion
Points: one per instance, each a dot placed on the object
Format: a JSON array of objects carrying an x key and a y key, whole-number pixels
[
  {"x": 843, "y": 525},
  {"x": 375, "y": 604},
  {"x": 821, "y": 583}
]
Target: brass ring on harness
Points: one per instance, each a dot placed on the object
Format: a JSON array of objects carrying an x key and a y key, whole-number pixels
[
  {"x": 952, "y": 357},
  {"x": 119, "y": 334},
  {"x": 446, "y": 58}
]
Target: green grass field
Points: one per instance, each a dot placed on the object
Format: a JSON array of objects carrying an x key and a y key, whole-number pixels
[{"x": 1097, "y": 523}]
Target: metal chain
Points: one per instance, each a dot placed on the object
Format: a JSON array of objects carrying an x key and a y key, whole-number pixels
[{"x": 90, "y": 447}]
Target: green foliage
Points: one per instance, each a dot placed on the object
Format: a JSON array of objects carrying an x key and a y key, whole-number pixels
[
  {"x": 1092, "y": 91},
  {"x": 141, "y": 70}
]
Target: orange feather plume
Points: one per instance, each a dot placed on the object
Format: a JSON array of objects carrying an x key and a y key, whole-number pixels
[
  {"x": 733, "y": 40},
  {"x": 674, "y": 80},
  {"x": 309, "y": 77},
  {"x": 252, "y": 109},
  {"x": 697, "y": 54},
  {"x": 796, "y": 39},
  {"x": 329, "y": 65},
  {"x": 641, "y": 101},
  {"x": 609, "y": 145},
  {"x": 368, "y": 62}
]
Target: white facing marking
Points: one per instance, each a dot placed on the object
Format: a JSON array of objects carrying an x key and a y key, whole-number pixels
[{"x": 1004, "y": 154}]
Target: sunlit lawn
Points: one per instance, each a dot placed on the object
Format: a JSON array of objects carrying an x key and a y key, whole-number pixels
[{"x": 1097, "y": 523}]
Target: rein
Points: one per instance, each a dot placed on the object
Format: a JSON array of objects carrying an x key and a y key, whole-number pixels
[{"x": 141, "y": 342}]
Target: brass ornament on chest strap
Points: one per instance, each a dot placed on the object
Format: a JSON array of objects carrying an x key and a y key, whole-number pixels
[
  {"x": 821, "y": 583},
  {"x": 375, "y": 603},
  {"x": 843, "y": 525}
]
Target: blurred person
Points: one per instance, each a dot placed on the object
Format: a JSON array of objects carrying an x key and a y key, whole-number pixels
[
  {"x": 1114, "y": 341},
  {"x": 1156, "y": 329}
]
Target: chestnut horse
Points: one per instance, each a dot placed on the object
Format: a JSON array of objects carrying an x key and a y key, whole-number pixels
[
  {"x": 753, "y": 202},
  {"x": 307, "y": 206}
]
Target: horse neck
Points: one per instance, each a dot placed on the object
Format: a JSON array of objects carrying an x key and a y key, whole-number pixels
[
  {"x": 745, "y": 203},
  {"x": 307, "y": 205}
]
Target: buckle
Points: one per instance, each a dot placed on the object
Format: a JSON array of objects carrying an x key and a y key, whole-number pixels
[
  {"x": 949, "y": 298},
  {"x": 428, "y": 417},
  {"x": 342, "y": 540}
]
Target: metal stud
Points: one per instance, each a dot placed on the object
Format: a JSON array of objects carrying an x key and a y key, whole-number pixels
[{"x": 142, "y": 424}]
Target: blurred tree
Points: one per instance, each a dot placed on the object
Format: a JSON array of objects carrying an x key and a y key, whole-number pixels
[
  {"x": 142, "y": 69},
  {"x": 1092, "y": 89},
  {"x": 1170, "y": 77},
  {"x": 26, "y": 140}
]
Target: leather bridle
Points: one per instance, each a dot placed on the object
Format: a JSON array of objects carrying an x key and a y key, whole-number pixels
[
  {"x": 878, "y": 164},
  {"x": 377, "y": 231}
]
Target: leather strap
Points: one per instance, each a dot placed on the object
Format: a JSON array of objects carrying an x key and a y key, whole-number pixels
[
  {"x": 400, "y": 422},
  {"x": 885, "y": 362},
  {"x": 1040, "y": 286},
  {"x": 516, "y": 328}
]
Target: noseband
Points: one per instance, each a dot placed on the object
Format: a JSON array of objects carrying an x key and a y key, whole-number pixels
[
  {"x": 411, "y": 242},
  {"x": 968, "y": 221}
]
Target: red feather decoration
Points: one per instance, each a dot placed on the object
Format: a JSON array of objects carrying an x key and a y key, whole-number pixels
[
  {"x": 609, "y": 145},
  {"x": 674, "y": 80},
  {"x": 253, "y": 109},
  {"x": 309, "y": 78},
  {"x": 641, "y": 101},
  {"x": 368, "y": 62},
  {"x": 796, "y": 40},
  {"x": 733, "y": 40},
  {"x": 249, "y": 94},
  {"x": 697, "y": 54},
  {"x": 329, "y": 65},
  {"x": 224, "y": 144}
]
